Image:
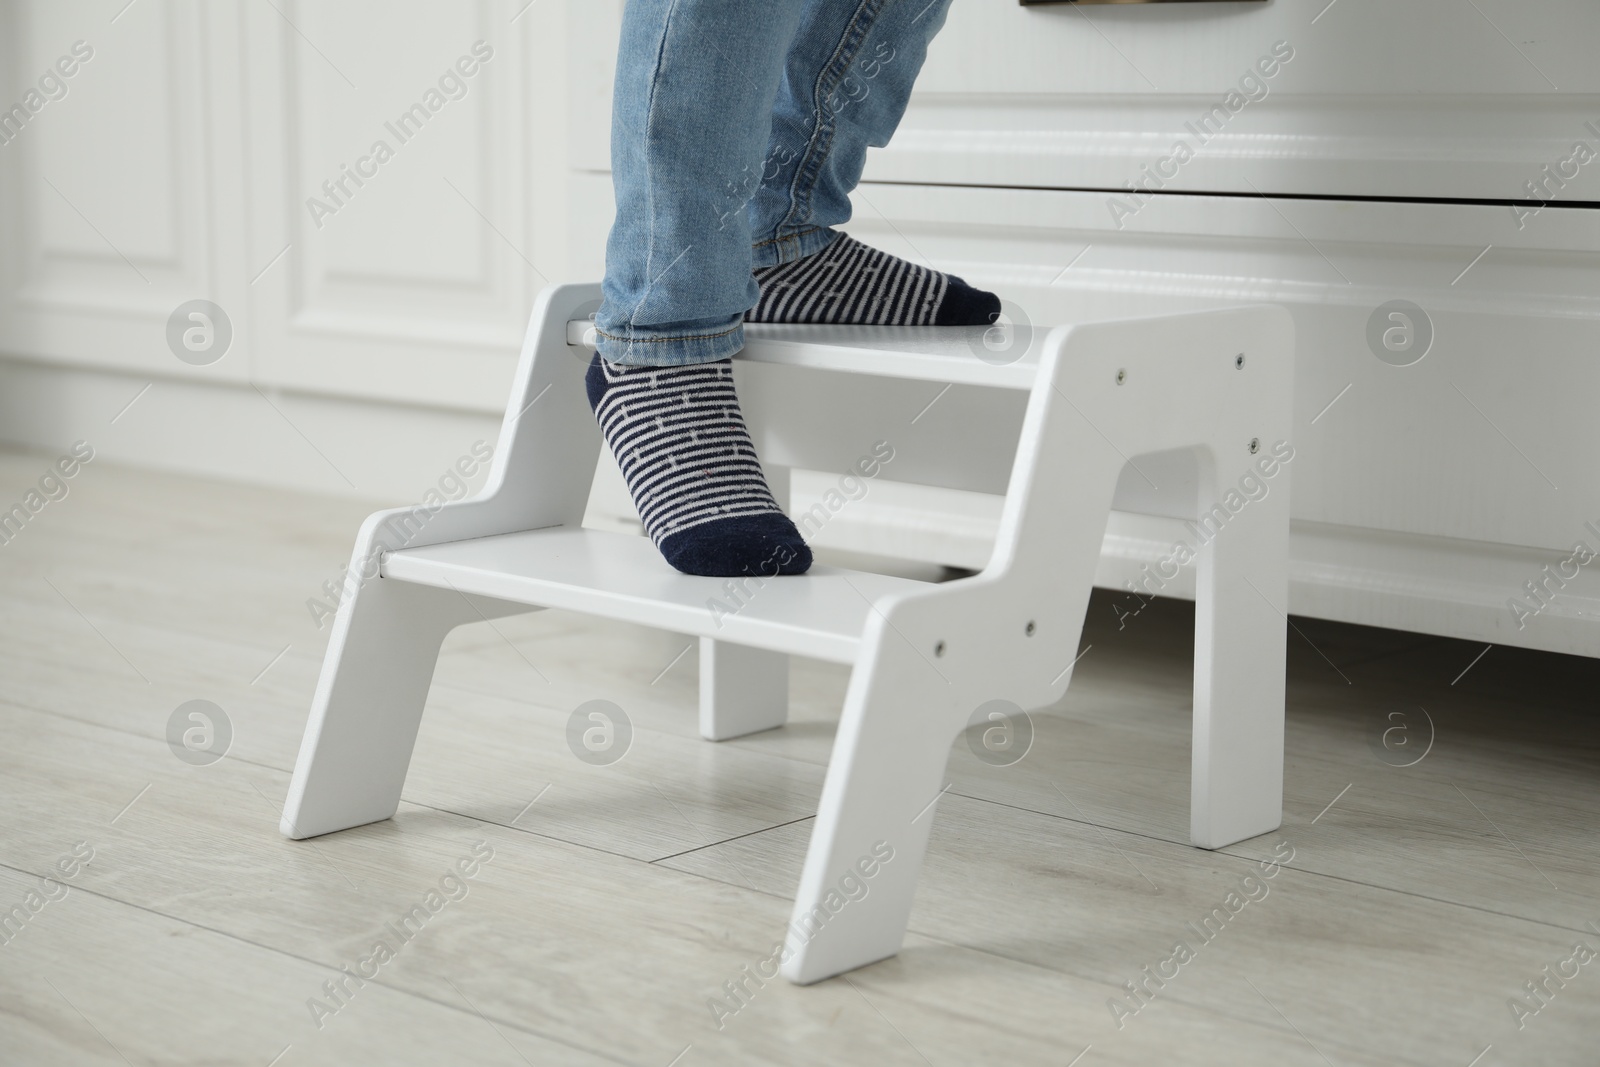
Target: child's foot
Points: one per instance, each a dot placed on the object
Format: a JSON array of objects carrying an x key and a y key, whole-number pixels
[
  {"x": 680, "y": 439},
  {"x": 848, "y": 282}
]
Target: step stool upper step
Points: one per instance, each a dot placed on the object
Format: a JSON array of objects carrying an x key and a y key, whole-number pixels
[
  {"x": 1002, "y": 357},
  {"x": 619, "y": 576}
]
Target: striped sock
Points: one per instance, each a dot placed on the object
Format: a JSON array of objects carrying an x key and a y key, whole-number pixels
[
  {"x": 680, "y": 439},
  {"x": 848, "y": 282}
]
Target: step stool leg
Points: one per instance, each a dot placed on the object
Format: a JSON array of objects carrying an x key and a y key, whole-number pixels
[
  {"x": 1241, "y": 600},
  {"x": 876, "y": 813},
  {"x": 369, "y": 700},
  {"x": 742, "y": 690}
]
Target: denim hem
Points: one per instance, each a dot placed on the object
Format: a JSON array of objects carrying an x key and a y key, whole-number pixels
[
  {"x": 789, "y": 247},
  {"x": 651, "y": 350}
]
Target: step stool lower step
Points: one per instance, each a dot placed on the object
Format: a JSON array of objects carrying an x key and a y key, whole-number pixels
[{"x": 821, "y": 614}]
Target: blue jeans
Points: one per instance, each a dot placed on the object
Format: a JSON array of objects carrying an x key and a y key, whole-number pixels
[{"x": 738, "y": 130}]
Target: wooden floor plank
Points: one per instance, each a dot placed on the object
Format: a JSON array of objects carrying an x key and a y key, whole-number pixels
[
  {"x": 1358, "y": 968},
  {"x": 570, "y": 946},
  {"x": 92, "y": 980}
]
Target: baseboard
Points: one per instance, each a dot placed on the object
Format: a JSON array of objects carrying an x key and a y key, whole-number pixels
[
  {"x": 1432, "y": 585},
  {"x": 386, "y": 452}
]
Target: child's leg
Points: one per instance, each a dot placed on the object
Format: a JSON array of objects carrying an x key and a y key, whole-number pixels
[
  {"x": 692, "y": 114},
  {"x": 846, "y": 81}
]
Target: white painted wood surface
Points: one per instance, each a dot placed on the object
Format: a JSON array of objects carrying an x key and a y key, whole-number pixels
[
  {"x": 928, "y": 658},
  {"x": 618, "y": 576},
  {"x": 943, "y": 354}
]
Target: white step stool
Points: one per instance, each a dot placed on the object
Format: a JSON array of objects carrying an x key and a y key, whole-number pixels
[{"x": 1193, "y": 394}]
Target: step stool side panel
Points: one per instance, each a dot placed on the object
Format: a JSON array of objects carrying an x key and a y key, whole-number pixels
[
  {"x": 386, "y": 636},
  {"x": 1241, "y": 613},
  {"x": 1052, "y": 526},
  {"x": 1241, "y": 607},
  {"x": 369, "y": 700},
  {"x": 934, "y": 658},
  {"x": 549, "y": 444},
  {"x": 931, "y": 658},
  {"x": 1185, "y": 386},
  {"x": 872, "y": 826}
]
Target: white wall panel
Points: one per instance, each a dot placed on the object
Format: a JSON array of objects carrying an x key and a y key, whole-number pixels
[
  {"x": 179, "y": 164},
  {"x": 417, "y": 287},
  {"x": 191, "y": 141},
  {"x": 112, "y": 195}
]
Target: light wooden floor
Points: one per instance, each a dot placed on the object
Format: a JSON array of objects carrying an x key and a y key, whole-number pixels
[{"x": 620, "y": 899}]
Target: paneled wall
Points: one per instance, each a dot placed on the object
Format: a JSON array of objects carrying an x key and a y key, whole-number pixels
[{"x": 372, "y": 193}]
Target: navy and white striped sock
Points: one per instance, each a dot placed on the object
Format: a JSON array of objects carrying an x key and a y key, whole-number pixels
[
  {"x": 680, "y": 439},
  {"x": 849, "y": 282}
]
